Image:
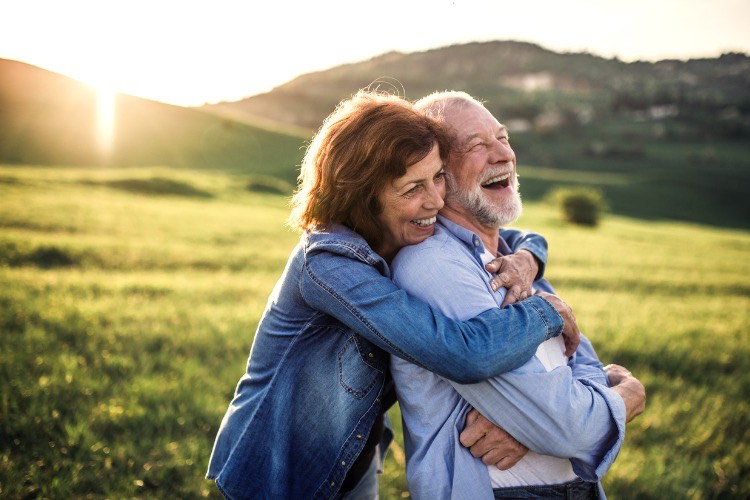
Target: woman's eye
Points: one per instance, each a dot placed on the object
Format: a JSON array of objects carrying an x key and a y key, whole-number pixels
[{"x": 440, "y": 176}]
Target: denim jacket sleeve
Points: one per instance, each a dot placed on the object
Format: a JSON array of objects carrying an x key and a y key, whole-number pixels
[
  {"x": 532, "y": 242},
  {"x": 356, "y": 293}
]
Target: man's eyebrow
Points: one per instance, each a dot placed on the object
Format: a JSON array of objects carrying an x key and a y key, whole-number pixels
[
  {"x": 471, "y": 136},
  {"x": 501, "y": 130}
]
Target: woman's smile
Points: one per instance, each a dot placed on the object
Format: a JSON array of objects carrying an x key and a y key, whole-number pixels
[{"x": 410, "y": 204}]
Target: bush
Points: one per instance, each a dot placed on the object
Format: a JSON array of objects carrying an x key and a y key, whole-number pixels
[
  {"x": 268, "y": 184},
  {"x": 580, "y": 205},
  {"x": 157, "y": 186}
]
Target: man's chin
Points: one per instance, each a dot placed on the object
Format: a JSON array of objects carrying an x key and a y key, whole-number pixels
[{"x": 509, "y": 210}]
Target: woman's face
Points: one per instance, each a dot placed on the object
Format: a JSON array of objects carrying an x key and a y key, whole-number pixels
[{"x": 411, "y": 203}]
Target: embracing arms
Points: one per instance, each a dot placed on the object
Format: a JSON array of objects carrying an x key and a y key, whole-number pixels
[{"x": 495, "y": 341}]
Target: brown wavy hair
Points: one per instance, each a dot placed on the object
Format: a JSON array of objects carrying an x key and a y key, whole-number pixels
[{"x": 367, "y": 142}]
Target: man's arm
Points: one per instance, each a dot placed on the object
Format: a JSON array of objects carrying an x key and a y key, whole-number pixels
[
  {"x": 554, "y": 414},
  {"x": 585, "y": 364}
]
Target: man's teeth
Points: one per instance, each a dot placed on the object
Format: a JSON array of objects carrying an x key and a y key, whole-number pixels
[
  {"x": 425, "y": 222},
  {"x": 499, "y": 178}
]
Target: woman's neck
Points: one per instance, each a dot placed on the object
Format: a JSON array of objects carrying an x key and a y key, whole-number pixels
[{"x": 387, "y": 253}]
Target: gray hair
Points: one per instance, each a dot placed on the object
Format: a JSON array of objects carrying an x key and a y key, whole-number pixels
[{"x": 438, "y": 104}]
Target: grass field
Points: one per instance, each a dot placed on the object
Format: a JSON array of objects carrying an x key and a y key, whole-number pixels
[{"x": 129, "y": 298}]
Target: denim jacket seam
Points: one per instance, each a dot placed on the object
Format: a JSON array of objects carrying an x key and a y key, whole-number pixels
[
  {"x": 220, "y": 487},
  {"x": 356, "y": 338},
  {"x": 548, "y": 331},
  {"x": 336, "y": 474},
  {"x": 360, "y": 252},
  {"x": 356, "y": 313},
  {"x": 355, "y": 393}
]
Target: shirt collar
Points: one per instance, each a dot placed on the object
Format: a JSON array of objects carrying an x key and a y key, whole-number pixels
[{"x": 471, "y": 239}]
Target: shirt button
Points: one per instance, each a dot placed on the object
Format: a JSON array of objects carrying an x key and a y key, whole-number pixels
[
  {"x": 372, "y": 355},
  {"x": 359, "y": 436},
  {"x": 343, "y": 464},
  {"x": 477, "y": 242},
  {"x": 333, "y": 483}
]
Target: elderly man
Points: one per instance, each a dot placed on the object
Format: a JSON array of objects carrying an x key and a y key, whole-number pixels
[{"x": 569, "y": 411}]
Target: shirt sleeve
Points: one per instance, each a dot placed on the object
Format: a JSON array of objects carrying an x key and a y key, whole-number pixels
[
  {"x": 358, "y": 295},
  {"x": 585, "y": 364},
  {"x": 532, "y": 242},
  {"x": 551, "y": 413}
]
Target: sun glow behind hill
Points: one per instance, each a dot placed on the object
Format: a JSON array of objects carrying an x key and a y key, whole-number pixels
[
  {"x": 189, "y": 53},
  {"x": 105, "y": 119}
]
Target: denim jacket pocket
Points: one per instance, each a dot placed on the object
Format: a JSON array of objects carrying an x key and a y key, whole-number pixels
[{"x": 361, "y": 366}]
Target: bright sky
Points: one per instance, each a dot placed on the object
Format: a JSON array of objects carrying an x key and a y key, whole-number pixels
[{"x": 189, "y": 52}]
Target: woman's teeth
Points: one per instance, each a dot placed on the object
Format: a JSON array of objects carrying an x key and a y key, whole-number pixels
[{"x": 424, "y": 222}]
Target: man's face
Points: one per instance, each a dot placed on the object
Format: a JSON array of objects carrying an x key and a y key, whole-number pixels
[{"x": 482, "y": 174}]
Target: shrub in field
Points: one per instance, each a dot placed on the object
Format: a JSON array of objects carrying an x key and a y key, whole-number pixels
[
  {"x": 268, "y": 184},
  {"x": 42, "y": 256},
  {"x": 580, "y": 205},
  {"x": 158, "y": 186}
]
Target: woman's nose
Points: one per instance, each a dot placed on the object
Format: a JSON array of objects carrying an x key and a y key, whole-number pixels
[{"x": 435, "y": 197}]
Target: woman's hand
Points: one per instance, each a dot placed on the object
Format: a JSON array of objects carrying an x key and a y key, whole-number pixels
[
  {"x": 631, "y": 390},
  {"x": 571, "y": 334},
  {"x": 516, "y": 272},
  {"x": 490, "y": 443}
]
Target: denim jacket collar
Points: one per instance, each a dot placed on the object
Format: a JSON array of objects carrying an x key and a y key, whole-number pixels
[{"x": 339, "y": 239}]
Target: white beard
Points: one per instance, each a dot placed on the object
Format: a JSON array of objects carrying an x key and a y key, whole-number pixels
[{"x": 487, "y": 212}]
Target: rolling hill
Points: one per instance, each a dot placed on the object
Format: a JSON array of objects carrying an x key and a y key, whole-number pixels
[
  {"x": 524, "y": 82},
  {"x": 662, "y": 140},
  {"x": 50, "y": 119}
]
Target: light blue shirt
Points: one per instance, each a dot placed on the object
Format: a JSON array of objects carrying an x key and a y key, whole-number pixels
[{"x": 568, "y": 412}]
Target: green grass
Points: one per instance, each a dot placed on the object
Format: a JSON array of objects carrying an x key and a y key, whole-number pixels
[
  {"x": 129, "y": 298},
  {"x": 643, "y": 174}
]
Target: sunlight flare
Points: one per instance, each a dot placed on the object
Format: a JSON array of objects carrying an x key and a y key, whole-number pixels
[{"x": 105, "y": 123}]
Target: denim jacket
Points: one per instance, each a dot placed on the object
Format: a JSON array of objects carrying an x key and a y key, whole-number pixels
[{"x": 317, "y": 369}]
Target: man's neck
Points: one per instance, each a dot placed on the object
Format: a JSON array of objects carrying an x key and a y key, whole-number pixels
[{"x": 489, "y": 235}]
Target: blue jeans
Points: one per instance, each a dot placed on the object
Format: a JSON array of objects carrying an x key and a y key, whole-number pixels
[{"x": 574, "y": 490}]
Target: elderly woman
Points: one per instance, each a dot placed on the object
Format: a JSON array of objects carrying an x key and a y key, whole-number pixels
[{"x": 308, "y": 414}]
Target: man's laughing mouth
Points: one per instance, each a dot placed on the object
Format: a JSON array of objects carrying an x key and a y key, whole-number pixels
[{"x": 497, "y": 182}]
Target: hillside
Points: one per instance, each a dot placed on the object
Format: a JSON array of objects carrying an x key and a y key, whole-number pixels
[
  {"x": 50, "y": 119},
  {"x": 523, "y": 81},
  {"x": 663, "y": 140}
]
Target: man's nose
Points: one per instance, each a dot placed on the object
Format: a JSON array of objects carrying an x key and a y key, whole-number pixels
[{"x": 501, "y": 152}]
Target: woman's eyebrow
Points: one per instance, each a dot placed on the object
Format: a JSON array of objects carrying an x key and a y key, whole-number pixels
[{"x": 422, "y": 180}]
